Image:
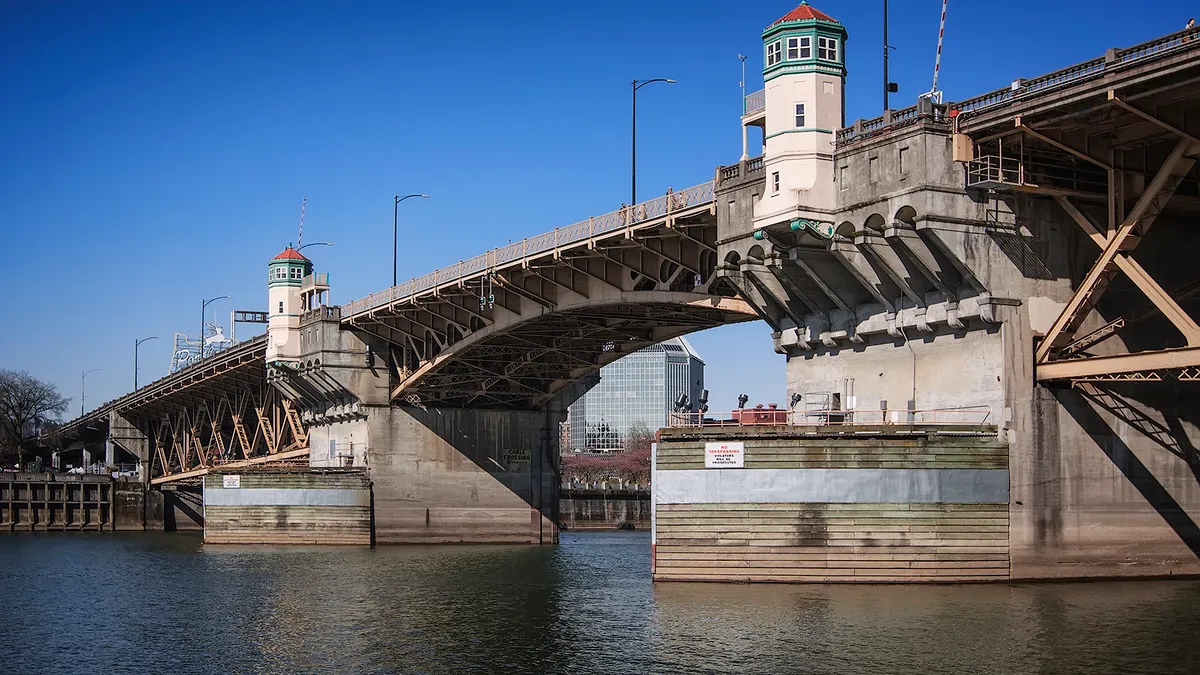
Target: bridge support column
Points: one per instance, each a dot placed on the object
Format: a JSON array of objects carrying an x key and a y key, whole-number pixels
[
  {"x": 446, "y": 475},
  {"x": 123, "y": 433}
]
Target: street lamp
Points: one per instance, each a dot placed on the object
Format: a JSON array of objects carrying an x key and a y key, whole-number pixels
[
  {"x": 638, "y": 84},
  {"x": 137, "y": 343},
  {"x": 396, "y": 199},
  {"x": 203, "y": 306},
  {"x": 83, "y": 388},
  {"x": 315, "y": 243}
]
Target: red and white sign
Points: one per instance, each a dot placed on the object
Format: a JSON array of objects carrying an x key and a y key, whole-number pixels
[{"x": 724, "y": 455}]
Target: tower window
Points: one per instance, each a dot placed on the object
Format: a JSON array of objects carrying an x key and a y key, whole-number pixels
[
  {"x": 774, "y": 52},
  {"x": 775, "y": 181},
  {"x": 799, "y": 48},
  {"x": 296, "y": 272},
  {"x": 799, "y": 115},
  {"x": 280, "y": 272},
  {"x": 827, "y": 48},
  {"x": 281, "y": 307}
]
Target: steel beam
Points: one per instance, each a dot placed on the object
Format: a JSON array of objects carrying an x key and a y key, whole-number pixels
[
  {"x": 1121, "y": 363},
  {"x": 1148, "y": 206}
]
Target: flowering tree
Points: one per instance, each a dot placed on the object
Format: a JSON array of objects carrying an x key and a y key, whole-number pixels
[
  {"x": 586, "y": 467},
  {"x": 630, "y": 466},
  {"x": 633, "y": 465}
]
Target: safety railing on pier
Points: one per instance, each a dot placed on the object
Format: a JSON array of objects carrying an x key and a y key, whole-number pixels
[
  {"x": 778, "y": 417},
  {"x": 1188, "y": 38},
  {"x": 582, "y": 231},
  {"x": 754, "y": 103},
  {"x": 314, "y": 280}
]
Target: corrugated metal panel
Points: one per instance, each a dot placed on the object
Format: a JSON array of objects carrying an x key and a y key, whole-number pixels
[
  {"x": 292, "y": 479},
  {"x": 286, "y": 497},
  {"x": 842, "y": 486},
  {"x": 287, "y": 525},
  {"x": 832, "y": 453},
  {"x": 832, "y": 542}
]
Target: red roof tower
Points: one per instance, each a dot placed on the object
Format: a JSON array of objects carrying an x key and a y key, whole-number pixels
[{"x": 804, "y": 12}]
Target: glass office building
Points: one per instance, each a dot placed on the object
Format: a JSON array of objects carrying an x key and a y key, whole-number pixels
[{"x": 641, "y": 387}]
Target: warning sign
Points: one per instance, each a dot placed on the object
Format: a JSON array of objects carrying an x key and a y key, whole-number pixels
[
  {"x": 519, "y": 457},
  {"x": 231, "y": 481},
  {"x": 724, "y": 455}
]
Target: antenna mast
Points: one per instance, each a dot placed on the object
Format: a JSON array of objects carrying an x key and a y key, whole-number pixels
[
  {"x": 300, "y": 236},
  {"x": 933, "y": 93}
]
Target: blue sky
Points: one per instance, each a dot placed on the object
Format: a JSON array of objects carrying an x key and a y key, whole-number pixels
[{"x": 154, "y": 153}]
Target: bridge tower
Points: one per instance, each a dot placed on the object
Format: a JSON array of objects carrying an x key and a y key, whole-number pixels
[
  {"x": 286, "y": 273},
  {"x": 803, "y": 73}
]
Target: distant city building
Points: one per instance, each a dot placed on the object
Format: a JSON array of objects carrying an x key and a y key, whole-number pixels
[{"x": 639, "y": 388}]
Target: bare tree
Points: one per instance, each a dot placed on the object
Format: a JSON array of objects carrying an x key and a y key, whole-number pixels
[{"x": 27, "y": 406}]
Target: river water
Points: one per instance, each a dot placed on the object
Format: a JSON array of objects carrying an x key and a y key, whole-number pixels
[{"x": 162, "y": 603}]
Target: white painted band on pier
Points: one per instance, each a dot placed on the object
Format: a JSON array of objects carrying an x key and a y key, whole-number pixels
[
  {"x": 831, "y": 486},
  {"x": 285, "y": 497}
]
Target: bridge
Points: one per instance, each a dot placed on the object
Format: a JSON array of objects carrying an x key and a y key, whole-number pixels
[{"x": 1024, "y": 253}]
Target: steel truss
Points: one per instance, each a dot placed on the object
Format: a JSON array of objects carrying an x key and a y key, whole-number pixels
[
  {"x": 512, "y": 335},
  {"x": 249, "y": 425},
  {"x": 1062, "y": 354}
]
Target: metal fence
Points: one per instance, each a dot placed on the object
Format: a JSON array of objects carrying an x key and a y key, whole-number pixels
[
  {"x": 548, "y": 241},
  {"x": 969, "y": 415},
  {"x": 754, "y": 102}
]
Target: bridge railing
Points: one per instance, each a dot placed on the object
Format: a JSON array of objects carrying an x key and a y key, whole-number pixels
[
  {"x": 890, "y": 120},
  {"x": 547, "y": 241},
  {"x": 1050, "y": 81}
]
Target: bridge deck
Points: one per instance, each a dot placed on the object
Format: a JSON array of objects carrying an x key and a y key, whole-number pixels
[
  {"x": 1118, "y": 67},
  {"x": 645, "y": 214}
]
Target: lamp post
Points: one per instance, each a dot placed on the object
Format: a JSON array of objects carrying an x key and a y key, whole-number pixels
[
  {"x": 83, "y": 389},
  {"x": 396, "y": 199},
  {"x": 137, "y": 343},
  {"x": 638, "y": 84},
  {"x": 203, "y": 306}
]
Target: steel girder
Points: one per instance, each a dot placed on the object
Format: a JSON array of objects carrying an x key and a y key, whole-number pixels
[
  {"x": 251, "y": 425},
  {"x": 512, "y": 335},
  {"x": 1062, "y": 353}
]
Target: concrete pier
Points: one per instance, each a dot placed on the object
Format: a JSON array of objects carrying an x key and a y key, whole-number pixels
[
  {"x": 831, "y": 504},
  {"x": 287, "y": 506}
]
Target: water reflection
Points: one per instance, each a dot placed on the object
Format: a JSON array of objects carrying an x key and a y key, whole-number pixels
[{"x": 108, "y": 603}]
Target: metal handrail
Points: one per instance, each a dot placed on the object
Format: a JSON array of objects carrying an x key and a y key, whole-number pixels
[
  {"x": 754, "y": 102},
  {"x": 968, "y": 415},
  {"x": 582, "y": 231},
  {"x": 315, "y": 279},
  {"x": 1054, "y": 80}
]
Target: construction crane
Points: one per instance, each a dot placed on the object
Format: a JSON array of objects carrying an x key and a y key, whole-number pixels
[{"x": 934, "y": 94}]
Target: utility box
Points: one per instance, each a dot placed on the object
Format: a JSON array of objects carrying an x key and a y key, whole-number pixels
[{"x": 963, "y": 149}]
